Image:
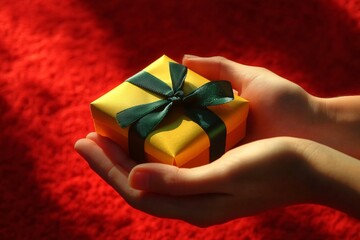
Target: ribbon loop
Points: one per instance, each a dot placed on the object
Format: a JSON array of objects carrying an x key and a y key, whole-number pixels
[
  {"x": 210, "y": 94},
  {"x": 151, "y": 83},
  {"x": 178, "y": 74},
  {"x": 133, "y": 114}
]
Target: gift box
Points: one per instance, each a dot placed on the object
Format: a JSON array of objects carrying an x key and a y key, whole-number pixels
[{"x": 169, "y": 114}]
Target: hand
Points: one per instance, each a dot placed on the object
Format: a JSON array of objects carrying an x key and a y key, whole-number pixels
[
  {"x": 278, "y": 107},
  {"x": 266, "y": 174},
  {"x": 247, "y": 180},
  {"x": 256, "y": 176}
]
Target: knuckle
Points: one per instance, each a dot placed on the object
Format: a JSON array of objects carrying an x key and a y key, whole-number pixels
[
  {"x": 173, "y": 181},
  {"x": 220, "y": 58}
]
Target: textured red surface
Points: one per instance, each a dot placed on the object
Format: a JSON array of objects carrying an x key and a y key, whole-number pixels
[{"x": 58, "y": 56}]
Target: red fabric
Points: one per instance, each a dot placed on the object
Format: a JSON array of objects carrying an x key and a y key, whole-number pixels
[{"x": 58, "y": 56}]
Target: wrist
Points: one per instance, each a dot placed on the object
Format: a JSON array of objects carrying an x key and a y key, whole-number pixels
[
  {"x": 332, "y": 177},
  {"x": 336, "y": 123},
  {"x": 304, "y": 182},
  {"x": 309, "y": 153},
  {"x": 312, "y": 182},
  {"x": 320, "y": 112}
]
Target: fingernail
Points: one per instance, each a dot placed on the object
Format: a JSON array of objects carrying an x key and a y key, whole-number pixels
[
  {"x": 91, "y": 135},
  {"x": 77, "y": 143},
  {"x": 139, "y": 180}
]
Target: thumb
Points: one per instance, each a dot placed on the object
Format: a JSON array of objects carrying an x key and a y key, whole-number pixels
[
  {"x": 220, "y": 68},
  {"x": 171, "y": 180}
]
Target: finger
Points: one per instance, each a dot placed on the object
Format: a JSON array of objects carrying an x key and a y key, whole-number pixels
[
  {"x": 201, "y": 210},
  {"x": 112, "y": 173},
  {"x": 220, "y": 68},
  {"x": 113, "y": 151},
  {"x": 171, "y": 180},
  {"x": 95, "y": 156},
  {"x": 189, "y": 208}
]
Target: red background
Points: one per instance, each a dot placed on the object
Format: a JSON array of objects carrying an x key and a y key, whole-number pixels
[{"x": 58, "y": 56}]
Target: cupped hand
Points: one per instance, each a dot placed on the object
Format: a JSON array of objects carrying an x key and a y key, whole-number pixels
[
  {"x": 247, "y": 180},
  {"x": 278, "y": 107},
  {"x": 259, "y": 175}
]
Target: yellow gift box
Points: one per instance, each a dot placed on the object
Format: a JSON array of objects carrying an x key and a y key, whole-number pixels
[{"x": 177, "y": 140}]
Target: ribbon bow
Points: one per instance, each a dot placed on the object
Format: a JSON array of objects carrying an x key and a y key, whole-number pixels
[{"x": 144, "y": 118}]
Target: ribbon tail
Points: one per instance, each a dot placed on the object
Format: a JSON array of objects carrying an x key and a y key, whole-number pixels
[
  {"x": 148, "y": 123},
  {"x": 139, "y": 131},
  {"x": 136, "y": 145},
  {"x": 214, "y": 128}
]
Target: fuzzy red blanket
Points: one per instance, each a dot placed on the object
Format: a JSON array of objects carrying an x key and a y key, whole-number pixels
[{"x": 58, "y": 56}]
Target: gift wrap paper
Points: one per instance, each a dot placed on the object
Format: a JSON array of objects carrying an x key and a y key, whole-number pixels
[{"x": 177, "y": 140}]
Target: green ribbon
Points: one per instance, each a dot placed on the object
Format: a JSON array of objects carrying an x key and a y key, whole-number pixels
[{"x": 144, "y": 118}]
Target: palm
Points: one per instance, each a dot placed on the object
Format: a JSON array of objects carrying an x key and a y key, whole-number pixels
[{"x": 277, "y": 107}]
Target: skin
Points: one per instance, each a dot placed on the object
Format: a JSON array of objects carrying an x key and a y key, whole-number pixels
[{"x": 288, "y": 159}]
